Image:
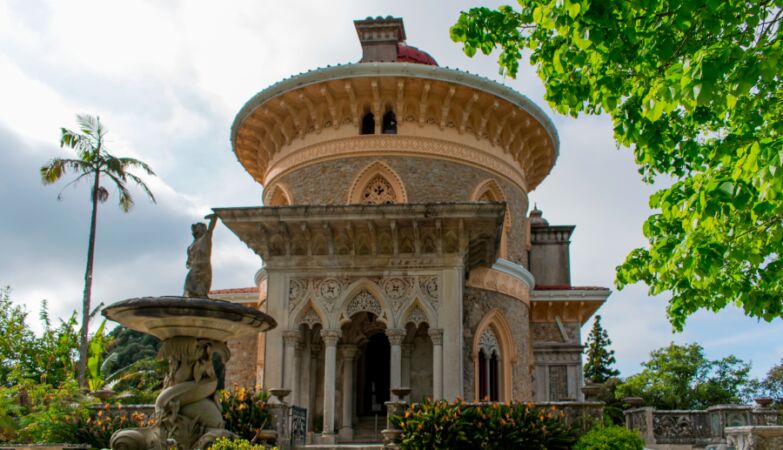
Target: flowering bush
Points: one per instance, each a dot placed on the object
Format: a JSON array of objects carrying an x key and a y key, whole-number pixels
[
  {"x": 39, "y": 413},
  {"x": 96, "y": 428},
  {"x": 246, "y": 411},
  {"x": 236, "y": 444},
  {"x": 461, "y": 425},
  {"x": 610, "y": 438}
]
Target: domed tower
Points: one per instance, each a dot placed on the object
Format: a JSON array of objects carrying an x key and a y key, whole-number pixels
[{"x": 394, "y": 233}]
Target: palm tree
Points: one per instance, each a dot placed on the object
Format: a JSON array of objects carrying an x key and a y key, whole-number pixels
[{"x": 93, "y": 162}]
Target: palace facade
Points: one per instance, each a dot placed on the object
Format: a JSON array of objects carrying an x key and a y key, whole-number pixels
[{"x": 396, "y": 241}]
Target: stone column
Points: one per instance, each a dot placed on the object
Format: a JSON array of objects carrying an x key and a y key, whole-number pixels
[
  {"x": 436, "y": 334},
  {"x": 395, "y": 336},
  {"x": 315, "y": 353},
  {"x": 348, "y": 352},
  {"x": 330, "y": 338},
  {"x": 407, "y": 349},
  {"x": 291, "y": 340}
]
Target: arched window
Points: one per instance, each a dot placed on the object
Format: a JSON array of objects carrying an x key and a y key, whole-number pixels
[
  {"x": 488, "y": 365},
  {"x": 389, "y": 123},
  {"x": 378, "y": 192},
  {"x": 368, "y": 124}
]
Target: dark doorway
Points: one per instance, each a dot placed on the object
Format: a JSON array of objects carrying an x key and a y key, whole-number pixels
[
  {"x": 368, "y": 124},
  {"x": 373, "y": 383}
]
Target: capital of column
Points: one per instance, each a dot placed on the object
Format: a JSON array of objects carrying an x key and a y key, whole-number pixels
[
  {"x": 436, "y": 334},
  {"x": 348, "y": 351},
  {"x": 331, "y": 337},
  {"x": 291, "y": 337},
  {"x": 395, "y": 335}
]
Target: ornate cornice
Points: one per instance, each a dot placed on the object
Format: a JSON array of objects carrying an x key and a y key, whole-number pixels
[{"x": 321, "y": 102}]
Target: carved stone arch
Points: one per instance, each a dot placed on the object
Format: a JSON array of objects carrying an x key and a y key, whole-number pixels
[
  {"x": 418, "y": 312},
  {"x": 495, "y": 322},
  {"x": 278, "y": 195},
  {"x": 490, "y": 191},
  {"x": 362, "y": 293},
  {"x": 380, "y": 174},
  {"x": 310, "y": 314}
]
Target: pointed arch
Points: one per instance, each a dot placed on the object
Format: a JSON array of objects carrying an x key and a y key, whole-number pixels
[
  {"x": 363, "y": 288},
  {"x": 490, "y": 191},
  {"x": 417, "y": 312},
  {"x": 380, "y": 176},
  {"x": 278, "y": 195},
  {"x": 493, "y": 324},
  {"x": 310, "y": 314}
]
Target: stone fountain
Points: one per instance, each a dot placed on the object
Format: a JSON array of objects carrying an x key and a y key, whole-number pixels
[{"x": 193, "y": 329}]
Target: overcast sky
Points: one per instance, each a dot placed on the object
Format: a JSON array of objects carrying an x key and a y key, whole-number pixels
[{"x": 167, "y": 79}]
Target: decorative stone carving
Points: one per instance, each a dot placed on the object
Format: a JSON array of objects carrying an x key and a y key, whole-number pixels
[
  {"x": 378, "y": 192},
  {"x": 297, "y": 290},
  {"x": 199, "y": 277},
  {"x": 397, "y": 290},
  {"x": 549, "y": 332},
  {"x": 330, "y": 337},
  {"x": 429, "y": 287},
  {"x": 363, "y": 301},
  {"x": 416, "y": 316},
  {"x": 310, "y": 318},
  {"x": 187, "y": 410},
  {"x": 436, "y": 334},
  {"x": 396, "y": 336},
  {"x": 489, "y": 342},
  {"x": 765, "y": 437},
  {"x": 328, "y": 291}
]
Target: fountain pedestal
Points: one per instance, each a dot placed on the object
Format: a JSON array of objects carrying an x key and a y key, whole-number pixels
[{"x": 193, "y": 330}]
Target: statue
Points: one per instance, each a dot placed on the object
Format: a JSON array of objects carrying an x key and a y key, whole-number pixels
[{"x": 199, "y": 278}]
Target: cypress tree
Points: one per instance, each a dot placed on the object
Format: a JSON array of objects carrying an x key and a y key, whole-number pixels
[{"x": 600, "y": 358}]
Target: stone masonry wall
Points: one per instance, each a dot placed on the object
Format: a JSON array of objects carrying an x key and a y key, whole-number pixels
[
  {"x": 426, "y": 180},
  {"x": 242, "y": 367},
  {"x": 477, "y": 303}
]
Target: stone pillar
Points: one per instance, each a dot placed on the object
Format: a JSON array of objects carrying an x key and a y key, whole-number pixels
[
  {"x": 330, "y": 338},
  {"x": 407, "y": 349},
  {"x": 436, "y": 334},
  {"x": 276, "y": 306},
  {"x": 315, "y": 353},
  {"x": 395, "y": 336},
  {"x": 291, "y": 340},
  {"x": 348, "y": 352},
  {"x": 450, "y": 320}
]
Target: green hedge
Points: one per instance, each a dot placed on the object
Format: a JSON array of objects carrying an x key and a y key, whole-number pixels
[
  {"x": 610, "y": 438},
  {"x": 461, "y": 425}
]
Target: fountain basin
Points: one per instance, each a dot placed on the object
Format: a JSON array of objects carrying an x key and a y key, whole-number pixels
[{"x": 170, "y": 316}]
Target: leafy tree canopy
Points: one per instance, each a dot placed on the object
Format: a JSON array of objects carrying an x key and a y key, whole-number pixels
[
  {"x": 600, "y": 358},
  {"x": 694, "y": 88},
  {"x": 681, "y": 377},
  {"x": 29, "y": 358}
]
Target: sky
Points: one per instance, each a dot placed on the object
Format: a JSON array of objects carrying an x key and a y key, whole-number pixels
[{"x": 168, "y": 77}]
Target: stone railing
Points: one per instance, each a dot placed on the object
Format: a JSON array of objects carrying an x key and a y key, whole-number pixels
[
  {"x": 582, "y": 415},
  {"x": 755, "y": 437},
  {"x": 706, "y": 429}
]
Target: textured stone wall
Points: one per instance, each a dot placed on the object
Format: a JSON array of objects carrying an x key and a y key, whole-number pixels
[
  {"x": 477, "y": 303},
  {"x": 426, "y": 180},
  {"x": 242, "y": 368}
]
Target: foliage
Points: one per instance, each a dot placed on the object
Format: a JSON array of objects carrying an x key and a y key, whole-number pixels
[
  {"x": 96, "y": 377},
  {"x": 610, "y": 438},
  {"x": 96, "y": 428},
  {"x": 694, "y": 88},
  {"x": 26, "y": 357},
  {"x": 681, "y": 377},
  {"x": 235, "y": 444},
  {"x": 600, "y": 358},
  {"x": 772, "y": 384},
  {"x": 128, "y": 346},
  {"x": 613, "y": 407},
  {"x": 246, "y": 411},
  {"x": 40, "y": 413},
  {"x": 94, "y": 161},
  {"x": 460, "y": 425},
  {"x": 139, "y": 382}
]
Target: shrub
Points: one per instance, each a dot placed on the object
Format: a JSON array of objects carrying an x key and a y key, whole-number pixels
[
  {"x": 245, "y": 411},
  {"x": 610, "y": 438},
  {"x": 96, "y": 428},
  {"x": 235, "y": 444},
  {"x": 461, "y": 425},
  {"x": 39, "y": 413}
]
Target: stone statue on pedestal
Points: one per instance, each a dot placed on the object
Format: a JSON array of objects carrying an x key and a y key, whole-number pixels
[{"x": 199, "y": 278}]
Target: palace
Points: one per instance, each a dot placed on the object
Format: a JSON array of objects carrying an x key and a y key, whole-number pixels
[{"x": 397, "y": 245}]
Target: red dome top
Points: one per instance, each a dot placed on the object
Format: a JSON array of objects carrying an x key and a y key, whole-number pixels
[{"x": 407, "y": 53}]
